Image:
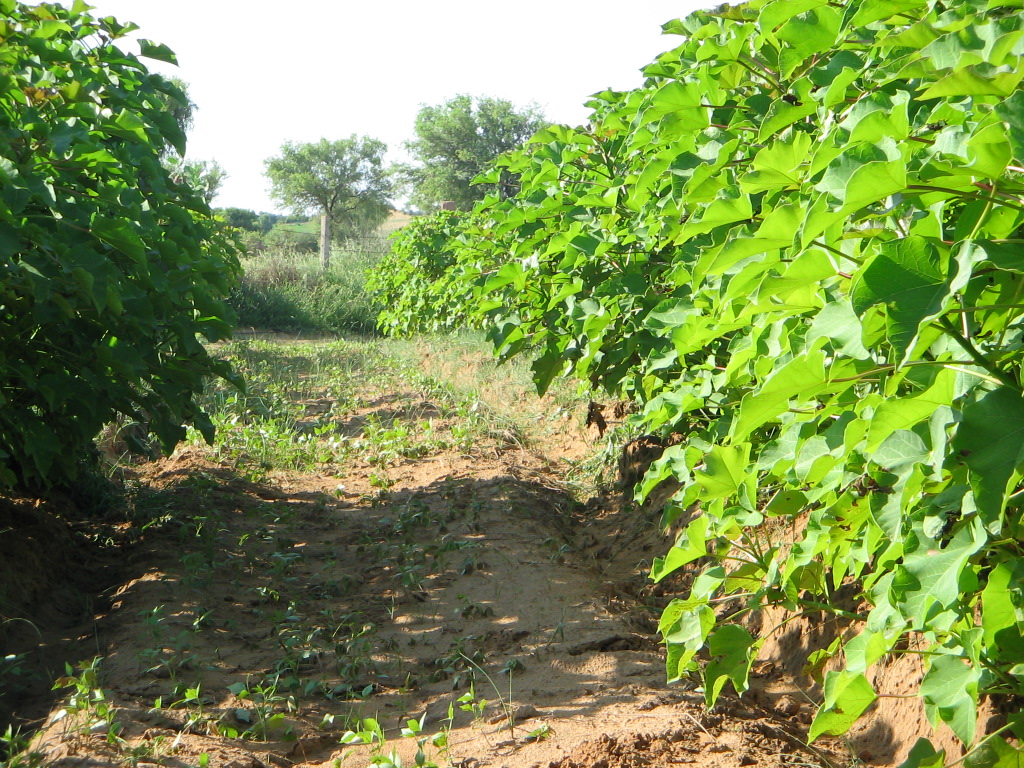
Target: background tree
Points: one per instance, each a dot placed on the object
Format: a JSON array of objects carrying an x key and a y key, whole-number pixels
[
  {"x": 240, "y": 218},
  {"x": 457, "y": 141},
  {"x": 109, "y": 269},
  {"x": 344, "y": 181}
]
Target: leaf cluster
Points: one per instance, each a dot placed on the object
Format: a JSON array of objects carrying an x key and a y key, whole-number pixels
[
  {"x": 111, "y": 268},
  {"x": 424, "y": 283},
  {"x": 798, "y": 247}
]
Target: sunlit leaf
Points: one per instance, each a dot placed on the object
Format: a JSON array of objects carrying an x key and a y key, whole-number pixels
[{"x": 847, "y": 695}]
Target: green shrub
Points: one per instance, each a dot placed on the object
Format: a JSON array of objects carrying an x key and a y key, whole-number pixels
[
  {"x": 110, "y": 270},
  {"x": 423, "y": 284},
  {"x": 303, "y": 238}
]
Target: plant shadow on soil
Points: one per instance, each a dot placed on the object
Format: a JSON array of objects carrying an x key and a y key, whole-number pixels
[
  {"x": 256, "y": 623},
  {"x": 248, "y": 617}
]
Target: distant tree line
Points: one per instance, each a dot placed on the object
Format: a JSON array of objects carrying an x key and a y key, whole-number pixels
[
  {"x": 250, "y": 221},
  {"x": 348, "y": 185}
]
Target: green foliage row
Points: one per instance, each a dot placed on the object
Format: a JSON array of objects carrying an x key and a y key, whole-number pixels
[
  {"x": 425, "y": 282},
  {"x": 798, "y": 246},
  {"x": 110, "y": 269}
]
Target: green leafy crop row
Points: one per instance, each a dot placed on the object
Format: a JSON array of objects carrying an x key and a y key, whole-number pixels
[
  {"x": 425, "y": 282},
  {"x": 799, "y": 246},
  {"x": 109, "y": 268}
]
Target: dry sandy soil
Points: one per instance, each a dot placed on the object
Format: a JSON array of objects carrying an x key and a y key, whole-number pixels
[{"x": 256, "y": 624}]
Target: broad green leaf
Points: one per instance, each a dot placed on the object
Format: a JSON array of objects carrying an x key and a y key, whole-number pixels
[
  {"x": 777, "y": 166},
  {"x": 847, "y": 696},
  {"x": 897, "y": 413},
  {"x": 796, "y": 105},
  {"x": 130, "y": 125},
  {"x": 989, "y": 150},
  {"x": 684, "y": 628},
  {"x": 733, "y": 650},
  {"x": 950, "y": 692},
  {"x": 865, "y": 649},
  {"x": 669, "y": 314},
  {"x": 1011, "y": 111},
  {"x": 510, "y": 273},
  {"x": 728, "y": 207},
  {"x": 835, "y": 91},
  {"x": 924, "y": 755},
  {"x": 810, "y": 32},
  {"x": 990, "y": 441},
  {"x": 774, "y": 15},
  {"x": 916, "y": 280},
  {"x": 1003, "y": 255},
  {"x": 930, "y": 577},
  {"x": 48, "y": 28},
  {"x": 980, "y": 80},
  {"x": 1002, "y": 610},
  {"x": 746, "y": 577},
  {"x": 780, "y": 225},
  {"x": 708, "y": 583},
  {"x": 900, "y": 451},
  {"x": 995, "y": 752},
  {"x": 121, "y": 236},
  {"x": 691, "y": 545},
  {"x": 865, "y": 174},
  {"x": 157, "y": 51},
  {"x": 878, "y": 116},
  {"x": 801, "y": 379},
  {"x": 715, "y": 261},
  {"x": 545, "y": 368},
  {"x": 680, "y": 99},
  {"x": 85, "y": 282},
  {"x": 838, "y": 323},
  {"x": 818, "y": 658},
  {"x": 799, "y": 284},
  {"x": 863, "y": 13},
  {"x": 819, "y": 219},
  {"x": 726, "y": 472}
]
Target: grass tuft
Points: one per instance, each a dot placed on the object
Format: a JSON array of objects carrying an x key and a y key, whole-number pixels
[{"x": 285, "y": 289}]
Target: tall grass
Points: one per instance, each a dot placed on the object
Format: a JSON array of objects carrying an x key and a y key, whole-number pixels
[{"x": 284, "y": 288}]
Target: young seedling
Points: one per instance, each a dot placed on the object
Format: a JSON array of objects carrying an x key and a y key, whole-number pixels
[{"x": 86, "y": 710}]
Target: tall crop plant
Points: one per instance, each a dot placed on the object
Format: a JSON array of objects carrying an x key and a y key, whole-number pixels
[
  {"x": 425, "y": 282},
  {"x": 799, "y": 245},
  {"x": 109, "y": 268}
]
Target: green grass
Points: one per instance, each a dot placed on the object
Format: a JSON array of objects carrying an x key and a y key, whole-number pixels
[
  {"x": 299, "y": 398},
  {"x": 285, "y": 289},
  {"x": 464, "y": 362}
]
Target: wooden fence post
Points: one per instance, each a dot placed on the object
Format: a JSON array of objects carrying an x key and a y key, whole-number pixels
[{"x": 325, "y": 242}]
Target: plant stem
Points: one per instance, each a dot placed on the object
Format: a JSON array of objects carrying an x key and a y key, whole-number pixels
[{"x": 979, "y": 359}]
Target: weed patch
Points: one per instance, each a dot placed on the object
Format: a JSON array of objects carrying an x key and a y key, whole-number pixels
[{"x": 286, "y": 289}]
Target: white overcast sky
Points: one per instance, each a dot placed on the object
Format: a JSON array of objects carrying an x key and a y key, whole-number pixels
[{"x": 263, "y": 73}]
